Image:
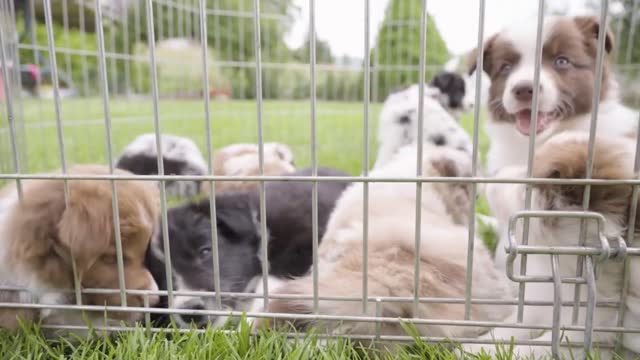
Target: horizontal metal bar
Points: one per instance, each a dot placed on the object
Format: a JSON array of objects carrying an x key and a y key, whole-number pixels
[
  {"x": 314, "y": 317},
  {"x": 268, "y": 178},
  {"x": 236, "y": 64},
  {"x": 251, "y": 295}
]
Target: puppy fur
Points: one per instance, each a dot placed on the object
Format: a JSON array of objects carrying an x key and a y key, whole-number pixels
[
  {"x": 613, "y": 160},
  {"x": 391, "y": 246},
  {"x": 243, "y": 160},
  {"x": 180, "y": 156},
  {"x": 289, "y": 227},
  {"x": 39, "y": 235},
  {"x": 399, "y": 124},
  {"x": 566, "y": 89}
]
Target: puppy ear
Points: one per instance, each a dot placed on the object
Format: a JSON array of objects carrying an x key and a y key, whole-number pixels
[
  {"x": 472, "y": 58},
  {"x": 443, "y": 80},
  {"x": 236, "y": 217},
  {"x": 86, "y": 230},
  {"x": 590, "y": 26}
]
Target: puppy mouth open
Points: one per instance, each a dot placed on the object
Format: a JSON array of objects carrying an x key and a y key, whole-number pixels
[{"x": 524, "y": 118}]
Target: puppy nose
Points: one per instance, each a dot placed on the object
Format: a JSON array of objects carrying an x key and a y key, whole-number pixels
[
  {"x": 196, "y": 319},
  {"x": 404, "y": 119},
  {"x": 439, "y": 140},
  {"x": 523, "y": 91}
]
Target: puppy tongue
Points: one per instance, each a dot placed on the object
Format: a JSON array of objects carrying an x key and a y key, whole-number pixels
[{"x": 523, "y": 122}]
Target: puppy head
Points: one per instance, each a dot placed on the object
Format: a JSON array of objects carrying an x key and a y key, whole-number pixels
[
  {"x": 566, "y": 76},
  {"x": 49, "y": 234},
  {"x": 565, "y": 157},
  {"x": 244, "y": 160},
  {"x": 399, "y": 122},
  {"x": 190, "y": 243},
  {"x": 454, "y": 86}
]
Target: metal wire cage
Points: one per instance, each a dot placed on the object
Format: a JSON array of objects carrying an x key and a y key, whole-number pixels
[{"x": 122, "y": 76}]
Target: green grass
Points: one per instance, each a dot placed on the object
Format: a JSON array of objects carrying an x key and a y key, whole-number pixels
[{"x": 340, "y": 139}]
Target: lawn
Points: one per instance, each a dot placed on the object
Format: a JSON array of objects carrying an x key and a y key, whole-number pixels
[{"x": 340, "y": 139}]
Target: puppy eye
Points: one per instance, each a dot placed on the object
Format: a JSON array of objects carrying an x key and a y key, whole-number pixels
[
  {"x": 561, "y": 62},
  {"x": 205, "y": 251},
  {"x": 505, "y": 68}
]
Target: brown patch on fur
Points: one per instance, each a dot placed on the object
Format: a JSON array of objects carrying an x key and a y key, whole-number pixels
[
  {"x": 497, "y": 51},
  {"x": 570, "y": 163},
  {"x": 46, "y": 234},
  {"x": 574, "y": 38},
  {"x": 456, "y": 197}
]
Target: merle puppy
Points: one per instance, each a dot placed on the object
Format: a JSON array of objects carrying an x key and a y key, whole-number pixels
[
  {"x": 180, "y": 156},
  {"x": 289, "y": 224}
]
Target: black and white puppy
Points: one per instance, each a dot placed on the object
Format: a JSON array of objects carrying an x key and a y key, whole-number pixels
[
  {"x": 180, "y": 156},
  {"x": 289, "y": 224}
]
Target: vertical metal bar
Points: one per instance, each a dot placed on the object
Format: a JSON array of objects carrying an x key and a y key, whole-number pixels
[
  {"x": 114, "y": 59},
  {"x": 160, "y": 22},
  {"x": 218, "y": 29},
  {"x": 591, "y": 304},
  {"x": 365, "y": 163},
  {"x": 604, "y": 7},
  {"x": 156, "y": 125},
  {"x": 532, "y": 142},
  {"x": 314, "y": 149},
  {"x": 65, "y": 24},
  {"x": 632, "y": 31},
  {"x": 378, "y": 314},
  {"x": 137, "y": 38},
  {"x": 400, "y": 24},
  {"x": 618, "y": 37},
  {"x": 241, "y": 37},
  {"x": 263, "y": 210},
  {"x": 170, "y": 10},
  {"x": 107, "y": 120},
  {"x": 387, "y": 63},
  {"x": 474, "y": 164},
  {"x": 60, "y": 131},
  {"x": 126, "y": 50},
  {"x": 212, "y": 184},
  {"x": 56, "y": 92},
  {"x": 147, "y": 315},
  {"x": 83, "y": 44},
  {"x": 557, "y": 307},
  {"x": 10, "y": 113},
  {"x": 418, "y": 229},
  {"x": 633, "y": 212}
]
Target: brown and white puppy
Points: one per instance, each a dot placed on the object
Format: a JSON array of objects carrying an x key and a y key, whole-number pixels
[
  {"x": 566, "y": 88},
  {"x": 613, "y": 160},
  {"x": 244, "y": 160},
  {"x": 391, "y": 253},
  {"x": 39, "y": 235}
]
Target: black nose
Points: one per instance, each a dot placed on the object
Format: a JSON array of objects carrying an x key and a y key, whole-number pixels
[
  {"x": 404, "y": 119},
  {"x": 194, "y": 318},
  {"x": 439, "y": 140},
  {"x": 523, "y": 91}
]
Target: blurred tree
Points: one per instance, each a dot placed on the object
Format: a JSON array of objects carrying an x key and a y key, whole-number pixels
[
  {"x": 323, "y": 52},
  {"x": 398, "y": 48}
]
